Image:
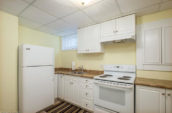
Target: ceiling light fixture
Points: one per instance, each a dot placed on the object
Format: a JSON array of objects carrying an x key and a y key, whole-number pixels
[{"x": 85, "y": 2}]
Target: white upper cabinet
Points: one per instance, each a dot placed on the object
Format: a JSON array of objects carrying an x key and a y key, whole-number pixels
[
  {"x": 167, "y": 45},
  {"x": 118, "y": 29},
  {"x": 89, "y": 40},
  {"x": 152, "y": 46},
  {"x": 168, "y": 101},
  {"x": 108, "y": 30},
  {"x": 126, "y": 25}
]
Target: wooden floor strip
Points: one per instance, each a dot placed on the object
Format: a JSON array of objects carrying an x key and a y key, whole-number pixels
[
  {"x": 61, "y": 106},
  {"x": 71, "y": 109},
  {"x": 58, "y": 108},
  {"x": 54, "y": 106}
]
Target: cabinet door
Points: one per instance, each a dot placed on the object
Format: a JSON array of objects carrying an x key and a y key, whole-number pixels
[
  {"x": 89, "y": 39},
  {"x": 152, "y": 46},
  {"x": 68, "y": 88},
  {"x": 55, "y": 80},
  {"x": 82, "y": 47},
  {"x": 75, "y": 91},
  {"x": 168, "y": 101},
  {"x": 126, "y": 24},
  {"x": 167, "y": 45},
  {"x": 150, "y": 100},
  {"x": 93, "y": 39},
  {"x": 108, "y": 30},
  {"x": 61, "y": 86}
]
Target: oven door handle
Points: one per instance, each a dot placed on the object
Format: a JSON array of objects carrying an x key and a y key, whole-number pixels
[{"x": 114, "y": 87}]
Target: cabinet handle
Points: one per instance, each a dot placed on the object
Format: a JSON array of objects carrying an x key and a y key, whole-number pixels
[
  {"x": 169, "y": 94},
  {"x": 163, "y": 93}
]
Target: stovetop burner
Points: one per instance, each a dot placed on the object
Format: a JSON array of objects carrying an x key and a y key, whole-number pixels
[
  {"x": 126, "y": 76},
  {"x": 123, "y": 78},
  {"x": 105, "y": 75}
]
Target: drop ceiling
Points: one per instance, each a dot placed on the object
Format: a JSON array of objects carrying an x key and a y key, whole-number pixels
[{"x": 64, "y": 17}]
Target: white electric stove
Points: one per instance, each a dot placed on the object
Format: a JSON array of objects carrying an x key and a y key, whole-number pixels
[{"x": 114, "y": 90}]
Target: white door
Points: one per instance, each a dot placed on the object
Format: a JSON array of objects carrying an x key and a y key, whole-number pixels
[
  {"x": 150, "y": 100},
  {"x": 36, "y": 56},
  {"x": 82, "y": 47},
  {"x": 89, "y": 39},
  {"x": 61, "y": 86},
  {"x": 152, "y": 46},
  {"x": 75, "y": 91},
  {"x": 126, "y": 25},
  {"x": 108, "y": 30},
  {"x": 36, "y": 88},
  {"x": 122, "y": 100},
  {"x": 169, "y": 101},
  {"x": 55, "y": 80},
  {"x": 167, "y": 45},
  {"x": 68, "y": 88},
  {"x": 93, "y": 38}
]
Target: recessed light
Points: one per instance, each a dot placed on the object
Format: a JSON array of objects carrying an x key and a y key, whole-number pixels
[{"x": 85, "y": 2}]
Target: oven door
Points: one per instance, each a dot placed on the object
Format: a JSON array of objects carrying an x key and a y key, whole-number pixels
[{"x": 118, "y": 99}]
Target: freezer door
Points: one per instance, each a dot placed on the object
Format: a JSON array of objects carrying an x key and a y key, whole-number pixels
[
  {"x": 35, "y": 89},
  {"x": 36, "y": 56}
]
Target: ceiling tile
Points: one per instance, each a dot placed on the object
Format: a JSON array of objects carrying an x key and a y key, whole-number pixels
[
  {"x": 47, "y": 30},
  {"x": 13, "y": 6},
  {"x": 103, "y": 11},
  {"x": 29, "y": 1},
  {"x": 56, "y": 8},
  {"x": 78, "y": 3},
  {"x": 37, "y": 15},
  {"x": 67, "y": 32},
  {"x": 131, "y": 5},
  {"x": 78, "y": 19},
  {"x": 147, "y": 10},
  {"x": 166, "y": 5},
  {"x": 28, "y": 23},
  {"x": 59, "y": 25}
]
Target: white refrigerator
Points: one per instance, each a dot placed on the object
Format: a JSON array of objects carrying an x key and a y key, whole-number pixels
[{"x": 36, "y": 71}]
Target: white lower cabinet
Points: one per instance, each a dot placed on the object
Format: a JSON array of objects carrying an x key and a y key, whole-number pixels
[
  {"x": 87, "y": 93},
  {"x": 168, "y": 101},
  {"x": 55, "y": 80},
  {"x": 60, "y": 90},
  {"x": 153, "y": 100},
  {"x": 76, "y": 90}
]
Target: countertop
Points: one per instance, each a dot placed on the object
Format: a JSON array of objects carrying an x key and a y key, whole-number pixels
[
  {"x": 86, "y": 74},
  {"x": 154, "y": 82}
]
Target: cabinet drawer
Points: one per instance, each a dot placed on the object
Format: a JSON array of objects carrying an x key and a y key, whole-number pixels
[
  {"x": 87, "y": 104},
  {"x": 87, "y": 94},
  {"x": 87, "y": 86},
  {"x": 87, "y": 81}
]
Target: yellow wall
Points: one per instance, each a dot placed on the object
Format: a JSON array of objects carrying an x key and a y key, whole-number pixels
[
  {"x": 117, "y": 53},
  {"x": 12, "y": 35},
  {"x": 8, "y": 62},
  {"x": 34, "y": 37}
]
